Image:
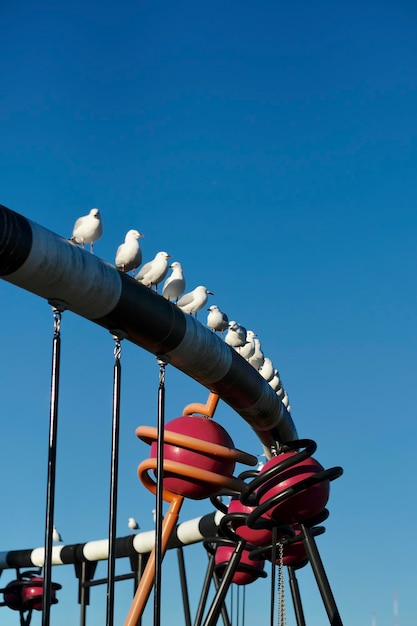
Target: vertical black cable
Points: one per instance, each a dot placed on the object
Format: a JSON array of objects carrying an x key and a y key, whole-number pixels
[
  {"x": 114, "y": 471},
  {"x": 159, "y": 492},
  {"x": 50, "y": 489}
]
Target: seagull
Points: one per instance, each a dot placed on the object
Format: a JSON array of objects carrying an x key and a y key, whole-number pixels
[
  {"x": 236, "y": 335},
  {"x": 285, "y": 400},
  {"x": 216, "y": 319},
  {"x": 247, "y": 350},
  {"x": 56, "y": 536},
  {"x": 275, "y": 382},
  {"x": 132, "y": 523},
  {"x": 257, "y": 357},
  {"x": 154, "y": 272},
  {"x": 129, "y": 254},
  {"x": 174, "y": 285},
  {"x": 87, "y": 229},
  {"x": 195, "y": 300},
  {"x": 267, "y": 369}
]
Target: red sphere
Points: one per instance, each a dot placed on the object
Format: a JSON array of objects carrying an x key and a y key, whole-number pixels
[
  {"x": 241, "y": 576},
  {"x": 206, "y": 430},
  {"x": 301, "y": 506},
  {"x": 12, "y": 595},
  {"x": 32, "y": 594},
  {"x": 256, "y": 537}
]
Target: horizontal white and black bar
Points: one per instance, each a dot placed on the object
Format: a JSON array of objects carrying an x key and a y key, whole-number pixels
[
  {"x": 186, "y": 533},
  {"x": 54, "y": 268}
]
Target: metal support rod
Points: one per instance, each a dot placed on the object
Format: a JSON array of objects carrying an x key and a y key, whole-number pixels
[
  {"x": 50, "y": 489},
  {"x": 114, "y": 471},
  {"x": 296, "y": 597},
  {"x": 273, "y": 574},
  {"x": 205, "y": 590},
  {"x": 84, "y": 571},
  {"x": 225, "y": 615},
  {"x": 159, "y": 494},
  {"x": 184, "y": 588},
  {"x": 320, "y": 575},
  {"x": 218, "y": 600}
]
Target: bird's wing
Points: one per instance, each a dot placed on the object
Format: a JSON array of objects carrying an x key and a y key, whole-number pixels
[
  {"x": 186, "y": 299},
  {"x": 144, "y": 270}
]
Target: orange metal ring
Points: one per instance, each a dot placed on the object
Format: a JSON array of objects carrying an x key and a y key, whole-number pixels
[
  {"x": 150, "y": 434},
  {"x": 229, "y": 483}
]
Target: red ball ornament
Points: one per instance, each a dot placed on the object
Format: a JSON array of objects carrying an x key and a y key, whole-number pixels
[
  {"x": 203, "y": 429},
  {"x": 301, "y": 506},
  {"x": 12, "y": 595},
  {"x": 247, "y": 571},
  {"x": 256, "y": 537}
]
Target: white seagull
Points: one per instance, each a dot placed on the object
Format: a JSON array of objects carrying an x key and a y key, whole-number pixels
[
  {"x": 236, "y": 335},
  {"x": 174, "y": 286},
  {"x": 267, "y": 369},
  {"x": 257, "y": 357},
  {"x": 154, "y": 272},
  {"x": 247, "y": 350},
  {"x": 87, "y": 229},
  {"x": 56, "y": 536},
  {"x": 129, "y": 254},
  {"x": 132, "y": 523},
  {"x": 216, "y": 319},
  {"x": 194, "y": 300},
  {"x": 275, "y": 382}
]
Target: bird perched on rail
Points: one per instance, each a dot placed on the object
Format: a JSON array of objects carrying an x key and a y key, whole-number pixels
[
  {"x": 87, "y": 229},
  {"x": 129, "y": 254},
  {"x": 216, "y": 319},
  {"x": 267, "y": 369},
  {"x": 275, "y": 381},
  {"x": 236, "y": 335},
  {"x": 247, "y": 350},
  {"x": 194, "y": 300},
  {"x": 56, "y": 536},
  {"x": 132, "y": 523},
  {"x": 154, "y": 272},
  {"x": 174, "y": 286},
  {"x": 257, "y": 357}
]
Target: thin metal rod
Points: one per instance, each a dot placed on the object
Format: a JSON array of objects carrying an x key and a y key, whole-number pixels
[
  {"x": 273, "y": 574},
  {"x": 205, "y": 590},
  {"x": 114, "y": 471},
  {"x": 50, "y": 490},
  {"x": 320, "y": 575},
  {"x": 296, "y": 597},
  {"x": 225, "y": 615},
  {"x": 218, "y": 600},
  {"x": 184, "y": 588},
  {"x": 159, "y": 494}
]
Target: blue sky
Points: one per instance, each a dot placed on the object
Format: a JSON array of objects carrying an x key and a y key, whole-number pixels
[{"x": 272, "y": 150}]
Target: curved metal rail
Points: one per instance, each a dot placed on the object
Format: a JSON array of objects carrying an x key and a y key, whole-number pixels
[{"x": 52, "y": 267}]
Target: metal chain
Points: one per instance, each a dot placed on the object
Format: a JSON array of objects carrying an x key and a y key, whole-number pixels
[
  {"x": 281, "y": 590},
  {"x": 57, "y": 322},
  {"x": 117, "y": 348}
]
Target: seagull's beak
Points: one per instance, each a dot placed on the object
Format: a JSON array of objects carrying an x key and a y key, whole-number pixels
[
  {"x": 141, "y": 235},
  {"x": 210, "y": 293}
]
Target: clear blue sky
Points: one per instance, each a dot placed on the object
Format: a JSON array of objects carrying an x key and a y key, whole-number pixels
[{"x": 272, "y": 149}]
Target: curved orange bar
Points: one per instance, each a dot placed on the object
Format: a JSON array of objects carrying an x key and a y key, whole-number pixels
[
  {"x": 150, "y": 434},
  {"x": 227, "y": 483},
  {"x": 207, "y": 409}
]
